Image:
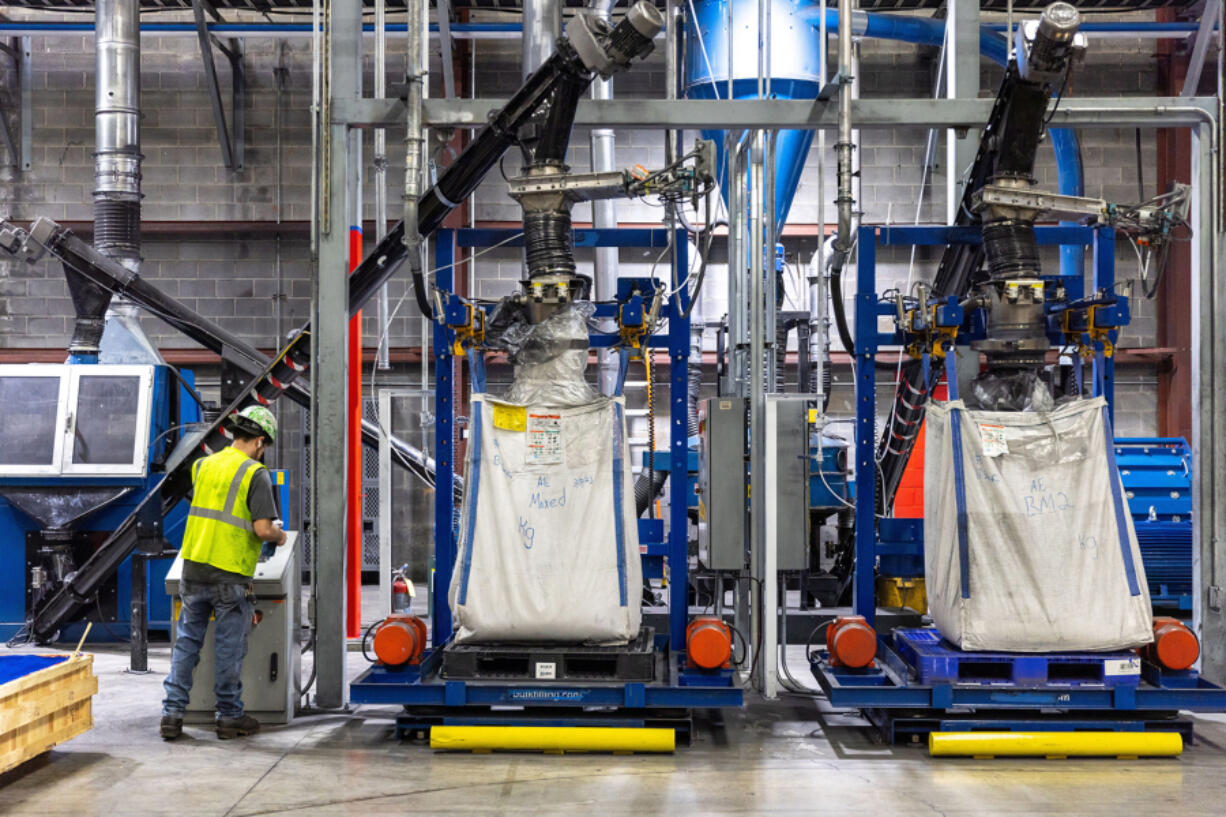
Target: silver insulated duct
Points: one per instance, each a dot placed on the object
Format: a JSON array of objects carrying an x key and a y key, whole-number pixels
[
  {"x": 117, "y": 173},
  {"x": 116, "y": 166},
  {"x": 117, "y": 131}
]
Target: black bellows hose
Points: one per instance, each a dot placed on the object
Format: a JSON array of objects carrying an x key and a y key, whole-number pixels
[{"x": 646, "y": 488}]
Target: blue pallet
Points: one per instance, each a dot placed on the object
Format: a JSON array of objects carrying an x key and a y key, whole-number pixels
[{"x": 937, "y": 661}]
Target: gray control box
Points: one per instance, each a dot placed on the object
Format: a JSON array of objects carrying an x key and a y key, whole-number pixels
[
  {"x": 271, "y": 670},
  {"x": 788, "y": 440},
  {"x": 722, "y": 470}
]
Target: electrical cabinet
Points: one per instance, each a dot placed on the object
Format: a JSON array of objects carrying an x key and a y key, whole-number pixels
[
  {"x": 787, "y": 443},
  {"x": 722, "y": 466},
  {"x": 271, "y": 670}
]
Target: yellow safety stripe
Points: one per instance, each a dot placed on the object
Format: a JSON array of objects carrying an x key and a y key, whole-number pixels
[
  {"x": 223, "y": 517},
  {"x": 236, "y": 483}
]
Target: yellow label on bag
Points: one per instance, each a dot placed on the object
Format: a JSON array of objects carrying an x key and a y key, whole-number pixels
[{"x": 510, "y": 418}]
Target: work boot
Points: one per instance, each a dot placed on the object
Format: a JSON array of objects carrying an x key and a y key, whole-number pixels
[
  {"x": 229, "y": 728},
  {"x": 171, "y": 727}
]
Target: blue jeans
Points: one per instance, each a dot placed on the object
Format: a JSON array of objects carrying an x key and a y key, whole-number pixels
[{"x": 231, "y": 613}]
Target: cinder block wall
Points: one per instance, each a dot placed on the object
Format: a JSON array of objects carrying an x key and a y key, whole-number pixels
[{"x": 260, "y": 287}]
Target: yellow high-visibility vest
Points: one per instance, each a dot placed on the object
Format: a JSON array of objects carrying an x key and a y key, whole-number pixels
[{"x": 219, "y": 530}]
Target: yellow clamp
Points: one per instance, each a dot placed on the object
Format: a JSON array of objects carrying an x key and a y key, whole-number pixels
[
  {"x": 471, "y": 334},
  {"x": 632, "y": 335},
  {"x": 943, "y": 333},
  {"x": 1096, "y": 333},
  {"x": 934, "y": 339}
]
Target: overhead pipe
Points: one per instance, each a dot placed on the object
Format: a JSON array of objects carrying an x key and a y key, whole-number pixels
[
  {"x": 116, "y": 166},
  {"x": 383, "y": 347},
  {"x": 414, "y": 141},
  {"x": 541, "y": 28},
  {"x": 843, "y": 241},
  {"x": 604, "y": 212},
  {"x": 499, "y": 31},
  {"x": 117, "y": 170}
]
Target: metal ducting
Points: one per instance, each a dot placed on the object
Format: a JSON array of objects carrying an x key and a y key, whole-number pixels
[
  {"x": 117, "y": 131},
  {"x": 116, "y": 165}
]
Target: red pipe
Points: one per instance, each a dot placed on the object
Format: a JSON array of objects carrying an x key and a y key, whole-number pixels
[{"x": 353, "y": 571}]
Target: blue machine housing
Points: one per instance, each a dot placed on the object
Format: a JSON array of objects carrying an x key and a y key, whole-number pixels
[{"x": 20, "y": 531}]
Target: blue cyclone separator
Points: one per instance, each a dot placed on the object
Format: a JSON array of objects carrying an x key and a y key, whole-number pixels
[
  {"x": 795, "y": 74},
  {"x": 795, "y": 62}
]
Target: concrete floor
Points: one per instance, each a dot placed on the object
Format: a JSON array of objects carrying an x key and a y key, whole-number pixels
[{"x": 784, "y": 757}]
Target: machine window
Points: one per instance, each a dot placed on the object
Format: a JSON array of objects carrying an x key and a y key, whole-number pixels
[
  {"x": 106, "y": 413},
  {"x": 27, "y": 424}
]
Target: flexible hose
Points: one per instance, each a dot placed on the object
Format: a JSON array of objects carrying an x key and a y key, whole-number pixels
[
  {"x": 646, "y": 488},
  {"x": 840, "y": 316}
]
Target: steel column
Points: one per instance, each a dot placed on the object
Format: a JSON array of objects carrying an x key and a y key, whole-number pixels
[
  {"x": 1208, "y": 409},
  {"x": 330, "y": 322},
  {"x": 962, "y": 69},
  {"x": 1175, "y": 389},
  {"x": 138, "y": 631},
  {"x": 757, "y": 390}
]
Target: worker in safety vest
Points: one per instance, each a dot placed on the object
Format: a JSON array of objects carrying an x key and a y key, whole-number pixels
[{"x": 233, "y": 512}]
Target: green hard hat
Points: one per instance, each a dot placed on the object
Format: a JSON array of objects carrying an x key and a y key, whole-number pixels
[{"x": 259, "y": 420}]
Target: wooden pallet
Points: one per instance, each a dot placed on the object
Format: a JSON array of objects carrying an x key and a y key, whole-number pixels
[{"x": 44, "y": 708}]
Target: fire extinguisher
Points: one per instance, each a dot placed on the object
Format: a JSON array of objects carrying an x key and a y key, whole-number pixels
[{"x": 402, "y": 591}]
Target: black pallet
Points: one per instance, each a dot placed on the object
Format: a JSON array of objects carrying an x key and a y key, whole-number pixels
[{"x": 543, "y": 663}]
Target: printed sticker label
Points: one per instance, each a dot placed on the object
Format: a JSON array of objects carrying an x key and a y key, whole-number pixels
[
  {"x": 993, "y": 437},
  {"x": 545, "y": 439},
  {"x": 510, "y": 418},
  {"x": 1122, "y": 666},
  {"x": 546, "y": 671}
]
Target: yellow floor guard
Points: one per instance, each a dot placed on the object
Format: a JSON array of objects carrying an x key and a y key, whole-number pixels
[
  {"x": 551, "y": 739},
  {"x": 1055, "y": 744}
]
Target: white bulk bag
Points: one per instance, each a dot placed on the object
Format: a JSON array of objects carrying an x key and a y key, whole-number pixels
[
  {"x": 549, "y": 548},
  {"x": 1047, "y": 558}
]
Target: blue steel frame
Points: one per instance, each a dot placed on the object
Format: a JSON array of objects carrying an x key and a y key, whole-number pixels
[
  {"x": 684, "y": 688},
  {"x": 889, "y": 684},
  {"x": 869, "y": 340}
]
